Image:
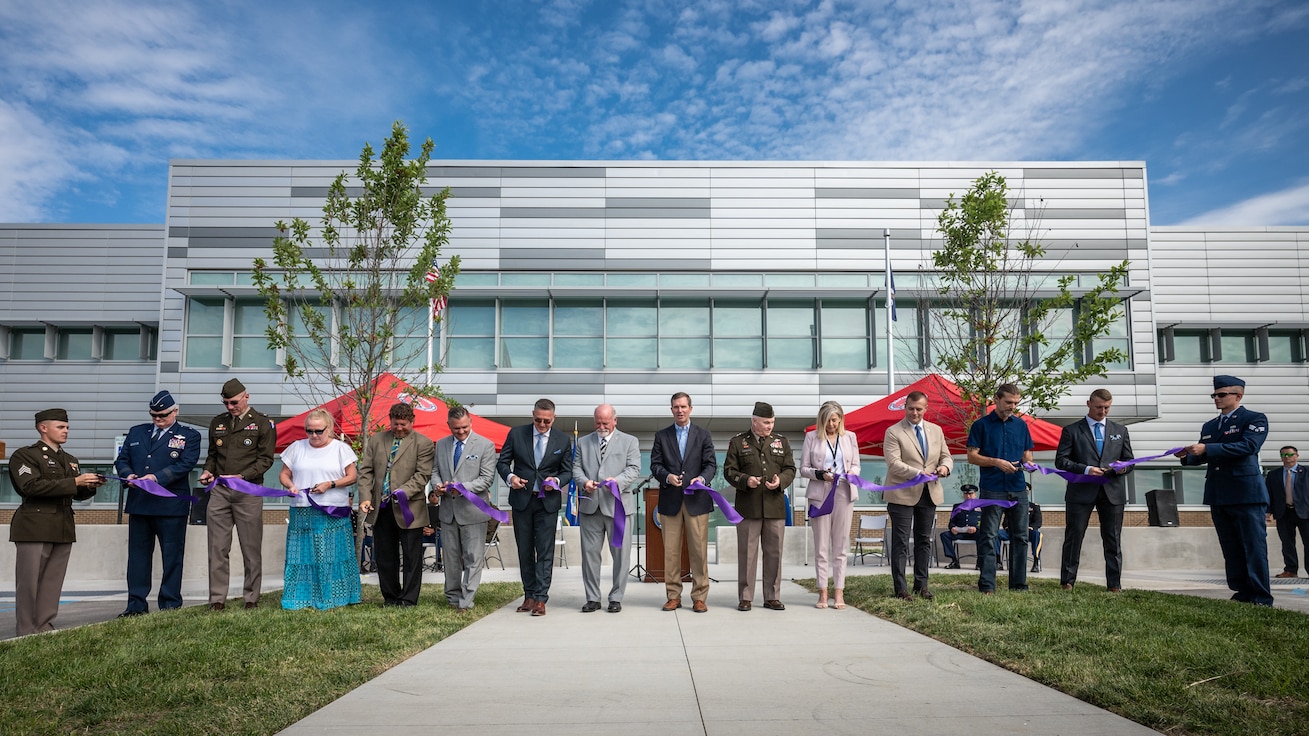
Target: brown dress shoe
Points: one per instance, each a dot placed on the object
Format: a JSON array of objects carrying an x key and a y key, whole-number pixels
[
  {"x": 528, "y": 606},
  {"x": 1115, "y": 590},
  {"x": 699, "y": 607},
  {"x": 217, "y": 606},
  {"x": 743, "y": 606},
  {"x": 672, "y": 605},
  {"x": 539, "y": 609},
  {"x": 1067, "y": 586},
  {"x": 249, "y": 605},
  {"x": 774, "y": 605},
  {"x": 1285, "y": 574},
  {"x": 924, "y": 593},
  {"x": 903, "y": 595}
]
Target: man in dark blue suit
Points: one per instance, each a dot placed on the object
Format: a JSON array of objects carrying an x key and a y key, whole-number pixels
[
  {"x": 1234, "y": 489},
  {"x": 1288, "y": 503},
  {"x": 682, "y": 453},
  {"x": 531, "y": 455},
  {"x": 163, "y": 451}
]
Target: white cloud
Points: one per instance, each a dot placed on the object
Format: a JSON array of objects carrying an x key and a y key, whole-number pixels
[{"x": 1286, "y": 207}]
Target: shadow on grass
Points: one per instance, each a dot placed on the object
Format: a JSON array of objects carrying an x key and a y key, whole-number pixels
[
  {"x": 192, "y": 671},
  {"x": 1175, "y": 663}
]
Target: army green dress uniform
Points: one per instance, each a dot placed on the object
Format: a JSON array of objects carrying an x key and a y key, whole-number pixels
[
  {"x": 42, "y": 528},
  {"x": 763, "y": 510},
  {"x": 241, "y": 446}
]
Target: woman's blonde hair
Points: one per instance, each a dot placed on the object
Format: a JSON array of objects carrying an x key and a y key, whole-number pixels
[
  {"x": 322, "y": 414},
  {"x": 827, "y": 411}
]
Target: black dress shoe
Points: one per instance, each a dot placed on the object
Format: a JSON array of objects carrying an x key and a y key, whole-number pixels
[
  {"x": 130, "y": 613},
  {"x": 217, "y": 606},
  {"x": 615, "y": 607},
  {"x": 249, "y": 605},
  {"x": 903, "y": 595},
  {"x": 591, "y": 606},
  {"x": 954, "y": 565},
  {"x": 1036, "y": 566}
]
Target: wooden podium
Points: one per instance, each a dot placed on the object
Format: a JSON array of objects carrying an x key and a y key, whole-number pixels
[{"x": 654, "y": 543}]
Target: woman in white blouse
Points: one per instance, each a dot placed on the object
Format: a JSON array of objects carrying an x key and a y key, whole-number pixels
[{"x": 829, "y": 450}]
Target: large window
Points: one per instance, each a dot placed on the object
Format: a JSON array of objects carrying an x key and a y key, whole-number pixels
[
  {"x": 738, "y": 334},
  {"x": 204, "y": 331},
  {"x": 579, "y": 326},
  {"x": 684, "y": 334},
  {"x": 470, "y": 325},
  {"x": 792, "y": 335},
  {"x": 845, "y": 334},
  {"x": 250, "y": 335},
  {"x": 632, "y": 330},
  {"x": 907, "y": 333},
  {"x": 27, "y": 343},
  {"x": 525, "y": 325}
]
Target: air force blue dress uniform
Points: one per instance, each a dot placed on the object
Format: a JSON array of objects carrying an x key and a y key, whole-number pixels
[
  {"x": 170, "y": 457},
  {"x": 1237, "y": 497}
]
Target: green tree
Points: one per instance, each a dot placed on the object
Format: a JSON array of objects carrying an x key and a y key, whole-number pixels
[
  {"x": 350, "y": 299},
  {"x": 996, "y": 318}
]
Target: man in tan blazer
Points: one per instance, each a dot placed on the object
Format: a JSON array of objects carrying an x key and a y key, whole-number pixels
[
  {"x": 912, "y": 446},
  {"x": 397, "y": 460}
]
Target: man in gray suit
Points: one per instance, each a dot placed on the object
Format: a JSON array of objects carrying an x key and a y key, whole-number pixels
[
  {"x": 1088, "y": 447},
  {"x": 605, "y": 454},
  {"x": 467, "y": 459}
]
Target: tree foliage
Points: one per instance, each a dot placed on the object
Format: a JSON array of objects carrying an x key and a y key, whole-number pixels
[
  {"x": 1000, "y": 315},
  {"x": 349, "y": 300}
]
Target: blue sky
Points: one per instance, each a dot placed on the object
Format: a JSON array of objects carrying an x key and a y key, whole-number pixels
[{"x": 96, "y": 97}]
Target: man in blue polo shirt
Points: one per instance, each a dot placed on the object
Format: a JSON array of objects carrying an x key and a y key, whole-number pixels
[{"x": 999, "y": 443}]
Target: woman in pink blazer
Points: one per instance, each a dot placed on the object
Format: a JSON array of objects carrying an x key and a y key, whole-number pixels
[{"x": 829, "y": 449}]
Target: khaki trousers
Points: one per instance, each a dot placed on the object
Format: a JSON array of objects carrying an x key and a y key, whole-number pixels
[
  {"x": 751, "y": 534},
  {"x": 228, "y": 508},
  {"x": 696, "y": 529},
  {"x": 39, "y": 569}
]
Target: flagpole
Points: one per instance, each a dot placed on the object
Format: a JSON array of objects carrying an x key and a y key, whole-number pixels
[
  {"x": 431, "y": 331},
  {"x": 890, "y": 307}
]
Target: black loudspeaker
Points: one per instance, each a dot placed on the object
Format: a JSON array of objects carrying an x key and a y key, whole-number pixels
[
  {"x": 1162, "y": 505},
  {"x": 200, "y": 509}
]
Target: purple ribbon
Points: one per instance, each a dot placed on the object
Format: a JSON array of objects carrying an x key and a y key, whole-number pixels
[
  {"x": 241, "y": 485},
  {"x": 620, "y": 514},
  {"x": 404, "y": 505},
  {"x": 829, "y": 503},
  {"x": 339, "y": 512},
  {"x": 152, "y": 487},
  {"x": 476, "y": 500},
  {"x": 977, "y": 503},
  {"x": 1066, "y": 475},
  {"x": 731, "y": 514},
  {"x": 547, "y": 483},
  {"x": 1121, "y": 465}
]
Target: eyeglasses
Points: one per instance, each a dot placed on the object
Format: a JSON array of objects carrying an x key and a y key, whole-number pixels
[
  {"x": 1290, "y": 454},
  {"x": 314, "y": 431},
  {"x": 231, "y": 402},
  {"x": 162, "y": 414},
  {"x": 1222, "y": 395}
]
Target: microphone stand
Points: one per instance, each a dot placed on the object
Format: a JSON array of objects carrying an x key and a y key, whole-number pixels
[{"x": 638, "y": 570}]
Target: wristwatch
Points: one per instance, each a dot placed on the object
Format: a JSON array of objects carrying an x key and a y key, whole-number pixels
[{"x": 334, "y": 484}]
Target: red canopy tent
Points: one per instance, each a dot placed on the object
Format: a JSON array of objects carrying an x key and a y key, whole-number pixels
[
  {"x": 945, "y": 407},
  {"x": 429, "y": 415}
]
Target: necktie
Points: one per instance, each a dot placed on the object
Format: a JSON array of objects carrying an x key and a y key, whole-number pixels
[
  {"x": 922, "y": 441},
  {"x": 1290, "y": 500},
  {"x": 386, "y": 479},
  {"x": 459, "y": 452},
  {"x": 154, "y": 436},
  {"x": 604, "y": 445},
  {"x": 1099, "y": 440},
  {"x": 681, "y": 440},
  {"x": 540, "y": 449}
]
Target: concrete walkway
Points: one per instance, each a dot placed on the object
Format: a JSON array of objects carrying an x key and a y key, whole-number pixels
[{"x": 642, "y": 671}]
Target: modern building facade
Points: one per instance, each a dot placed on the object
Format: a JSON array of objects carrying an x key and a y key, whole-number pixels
[{"x": 626, "y": 281}]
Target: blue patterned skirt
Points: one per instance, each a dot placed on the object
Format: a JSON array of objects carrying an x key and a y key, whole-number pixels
[{"x": 321, "y": 568}]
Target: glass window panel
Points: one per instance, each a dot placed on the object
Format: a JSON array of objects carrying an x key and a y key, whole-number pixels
[
  {"x": 524, "y": 279},
  {"x": 1188, "y": 346},
  {"x": 1238, "y": 346},
  {"x": 684, "y": 352},
  {"x": 790, "y": 319},
  {"x": 296, "y": 317},
  {"x": 579, "y": 317},
  {"x": 627, "y": 352},
  {"x": 524, "y": 352},
  {"x": 471, "y": 317},
  {"x": 252, "y": 352},
  {"x": 204, "y": 352},
  {"x": 791, "y": 353},
  {"x": 805, "y": 280},
  {"x": 579, "y": 352},
  {"x": 202, "y": 278},
  {"x": 738, "y": 279},
  {"x": 1123, "y": 344},
  {"x": 409, "y": 353},
  {"x": 906, "y": 319},
  {"x": 525, "y": 317},
  {"x": 477, "y": 279},
  {"x": 844, "y": 353},
  {"x": 579, "y": 279},
  {"x": 121, "y": 343},
  {"x": 74, "y": 343},
  {"x": 1284, "y": 347},
  {"x": 843, "y": 280},
  {"x": 683, "y": 280},
  {"x": 471, "y": 353},
  {"x": 245, "y": 278},
  {"x": 684, "y": 318},
  {"x": 27, "y": 343},
  {"x": 410, "y": 321},
  {"x": 631, "y": 318},
  {"x": 844, "y": 318},
  {"x": 249, "y": 317},
  {"x": 908, "y": 353},
  {"x": 738, "y": 353},
  {"x": 743, "y": 319},
  {"x": 204, "y": 316},
  {"x": 632, "y": 279}
]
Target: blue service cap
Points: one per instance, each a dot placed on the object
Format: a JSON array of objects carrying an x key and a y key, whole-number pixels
[
  {"x": 1228, "y": 381},
  {"x": 163, "y": 401}
]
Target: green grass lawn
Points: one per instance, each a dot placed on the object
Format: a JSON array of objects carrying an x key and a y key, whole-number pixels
[
  {"x": 235, "y": 672},
  {"x": 1175, "y": 663}
]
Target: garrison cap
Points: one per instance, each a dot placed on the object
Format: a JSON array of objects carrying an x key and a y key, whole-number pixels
[
  {"x": 233, "y": 388},
  {"x": 163, "y": 401},
  {"x": 1228, "y": 382},
  {"x": 762, "y": 410},
  {"x": 968, "y": 488},
  {"x": 51, "y": 415}
]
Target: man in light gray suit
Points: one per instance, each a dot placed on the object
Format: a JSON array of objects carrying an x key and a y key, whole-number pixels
[
  {"x": 605, "y": 454},
  {"x": 467, "y": 459}
]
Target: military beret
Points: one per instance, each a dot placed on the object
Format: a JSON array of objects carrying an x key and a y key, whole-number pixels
[
  {"x": 762, "y": 410},
  {"x": 233, "y": 388},
  {"x": 51, "y": 415},
  {"x": 1228, "y": 381},
  {"x": 163, "y": 401},
  {"x": 968, "y": 488}
]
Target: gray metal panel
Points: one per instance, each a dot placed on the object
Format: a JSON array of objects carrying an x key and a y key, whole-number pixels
[
  {"x": 658, "y": 202},
  {"x": 658, "y": 214},
  {"x": 657, "y": 264},
  {"x": 511, "y": 255},
  {"x": 579, "y": 212},
  {"x": 1060, "y": 213},
  {"x": 170, "y": 366},
  {"x": 174, "y": 252},
  {"x": 866, "y": 233},
  {"x": 553, "y": 172},
  {"x": 938, "y": 203},
  {"x": 462, "y": 172},
  {"x": 1087, "y": 173},
  {"x": 264, "y": 242},
  {"x": 864, "y": 193}
]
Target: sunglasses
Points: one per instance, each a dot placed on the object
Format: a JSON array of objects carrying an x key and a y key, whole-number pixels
[
  {"x": 1290, "y": 454},
  {"x": 162, "y": 414},
  {"x": 1222, "y": 395},
  {"x": 231, "y": 402},
  {"x": 314, "y": 431}
]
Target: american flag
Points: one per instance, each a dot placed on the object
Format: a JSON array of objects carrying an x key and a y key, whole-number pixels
[
  {"x": 439, "y": 303},
  {"x": 432, "y": 276}
]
